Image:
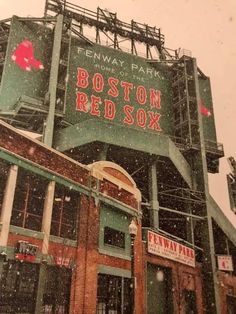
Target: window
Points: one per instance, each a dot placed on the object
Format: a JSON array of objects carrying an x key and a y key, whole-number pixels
[
  {"x": 29, "y": 201},
  {"x": 190, "y": 302},
  {"x": 114, "y": 237},
  {"x": 231, "y": 304},
  {"x": 57, "y": 297},
  {"x": 18, "y": 287},
  {"x": 65, "y": 213},
  {"x": 113, "y": 295},
  {"x": 4, "y": 168}
]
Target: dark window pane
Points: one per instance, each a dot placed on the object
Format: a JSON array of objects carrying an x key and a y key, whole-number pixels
[
  {"x": 54, "y": 228},
  {"x": 4, "y": 169},
  {"x": 114, "y": 237},
  {"x": 57, "y": 296},
  {"x": 110, "y": 293},
  {"x": 17, "y": 218},
  {"x": 33, "y": 222},
  {"x": 29, "y": 200},
  {"x": 190, "y": 302},
  {"x": 65, "y": 212},
  {"x": 18, "y": 287}
]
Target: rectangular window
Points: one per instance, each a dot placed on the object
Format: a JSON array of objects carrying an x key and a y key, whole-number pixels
[
  {"x": 4, "y": 169},
  {"x": 114, "y": 237},
  {"x": 57, "y": 296},
  {"x": 65, "y": 213},
  {"x": 18, "y": 287},
  {"x": 231, "y": 304},
  {"x": 190, "y": 302},
  {"x": 113, "y": 295},
  {"x": 29, "y": 201}
]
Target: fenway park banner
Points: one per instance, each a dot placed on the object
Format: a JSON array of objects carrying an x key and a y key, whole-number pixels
[{"x": 164, "y": 247}]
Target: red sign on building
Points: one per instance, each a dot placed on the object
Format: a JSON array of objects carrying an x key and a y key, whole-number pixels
[
  {"x": 164, "y": 247},
  {"x": 26, "y": 251},
  {"x": 225, "y": 262}
]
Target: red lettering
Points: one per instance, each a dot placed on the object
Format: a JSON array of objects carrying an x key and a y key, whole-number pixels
[
  {"x": 127, "y": 87},
  {"x": 141, "y": 118},
  {"x": 113, "y": 91},
  {"x": 155, "y": 239},
  {"x": 98, "y": 82},
  {"x": 155, "y": 98},
  {"x": 82, "y": 78},
  {"x": 154, "y": 118},
  {"x": 110, "y": 109},
  {"x": 166, "y": 243},
  {"x": 94, "y": 106},
  {"x": 141, "y": 95},
  {"x": 81, "y": 100},
  {"x": 150, "y": 236},
  {"x": 128, "y": 119}
]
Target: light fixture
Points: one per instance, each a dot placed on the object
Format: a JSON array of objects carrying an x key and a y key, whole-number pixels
[
  {"x": 160, "y": 275},
  {"x": 133, "y": 229}
]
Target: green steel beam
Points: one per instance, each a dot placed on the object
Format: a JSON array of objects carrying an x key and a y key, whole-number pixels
[
  {"x": 49, "y": 127},
  {"x": 223, "y": 222},
  {"x": 154, "y": 144},
  {"x": 153, "y": 195},
  {"x": 210, "y": 280}
]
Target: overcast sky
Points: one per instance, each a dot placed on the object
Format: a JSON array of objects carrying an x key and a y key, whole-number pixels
[{"x": 207, "y": 28}]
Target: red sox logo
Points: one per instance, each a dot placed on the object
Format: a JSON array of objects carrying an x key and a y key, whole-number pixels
[{"x": 23, "y": 56}]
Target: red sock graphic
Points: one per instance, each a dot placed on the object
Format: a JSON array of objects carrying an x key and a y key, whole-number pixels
[
  {"x": 204, "y": 111},
  {"x": 23, "y": 56}
]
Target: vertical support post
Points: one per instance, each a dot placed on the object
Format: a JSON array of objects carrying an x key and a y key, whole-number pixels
[
  {"x": 47, "y": 215},
  {"x": 132, "y": 40},
  {"x": 41, "y": 288},
  {"x": 46, "y": 224},
  {"x": 103, "y": 152},
  {"x": 133, "y": 230},
  {"x": 49, "y": 128},
  {"x": 209, "y": 269},
  {"x": 7, "y": 204},
  {"x": 153, "y": 192},
  {"x": 132, "y": 237},
  {"x": 97, "y": 29}
]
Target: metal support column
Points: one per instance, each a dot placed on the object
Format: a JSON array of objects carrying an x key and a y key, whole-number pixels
[
  {"x": 49, "y": 128},
  {"x": 209, "y": 269},
  {"x": 153, "y": 195},
  {"x": 103, "y": 152},
  {"x": 132, "y": 275}
]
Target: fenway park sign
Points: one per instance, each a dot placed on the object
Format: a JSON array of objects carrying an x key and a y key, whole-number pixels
[{"x": 164, "y": 247}]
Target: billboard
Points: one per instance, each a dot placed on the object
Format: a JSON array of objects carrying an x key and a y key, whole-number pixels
[
  {"x": 27, "y": 63},
  {"x": 118, "y": 88}
]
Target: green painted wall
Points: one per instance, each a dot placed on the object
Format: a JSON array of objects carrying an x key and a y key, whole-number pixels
[
  {"x": 17, "y": 82},
  {"x": 122, "y": 67},
  {"x": 113, "y": 218}
]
